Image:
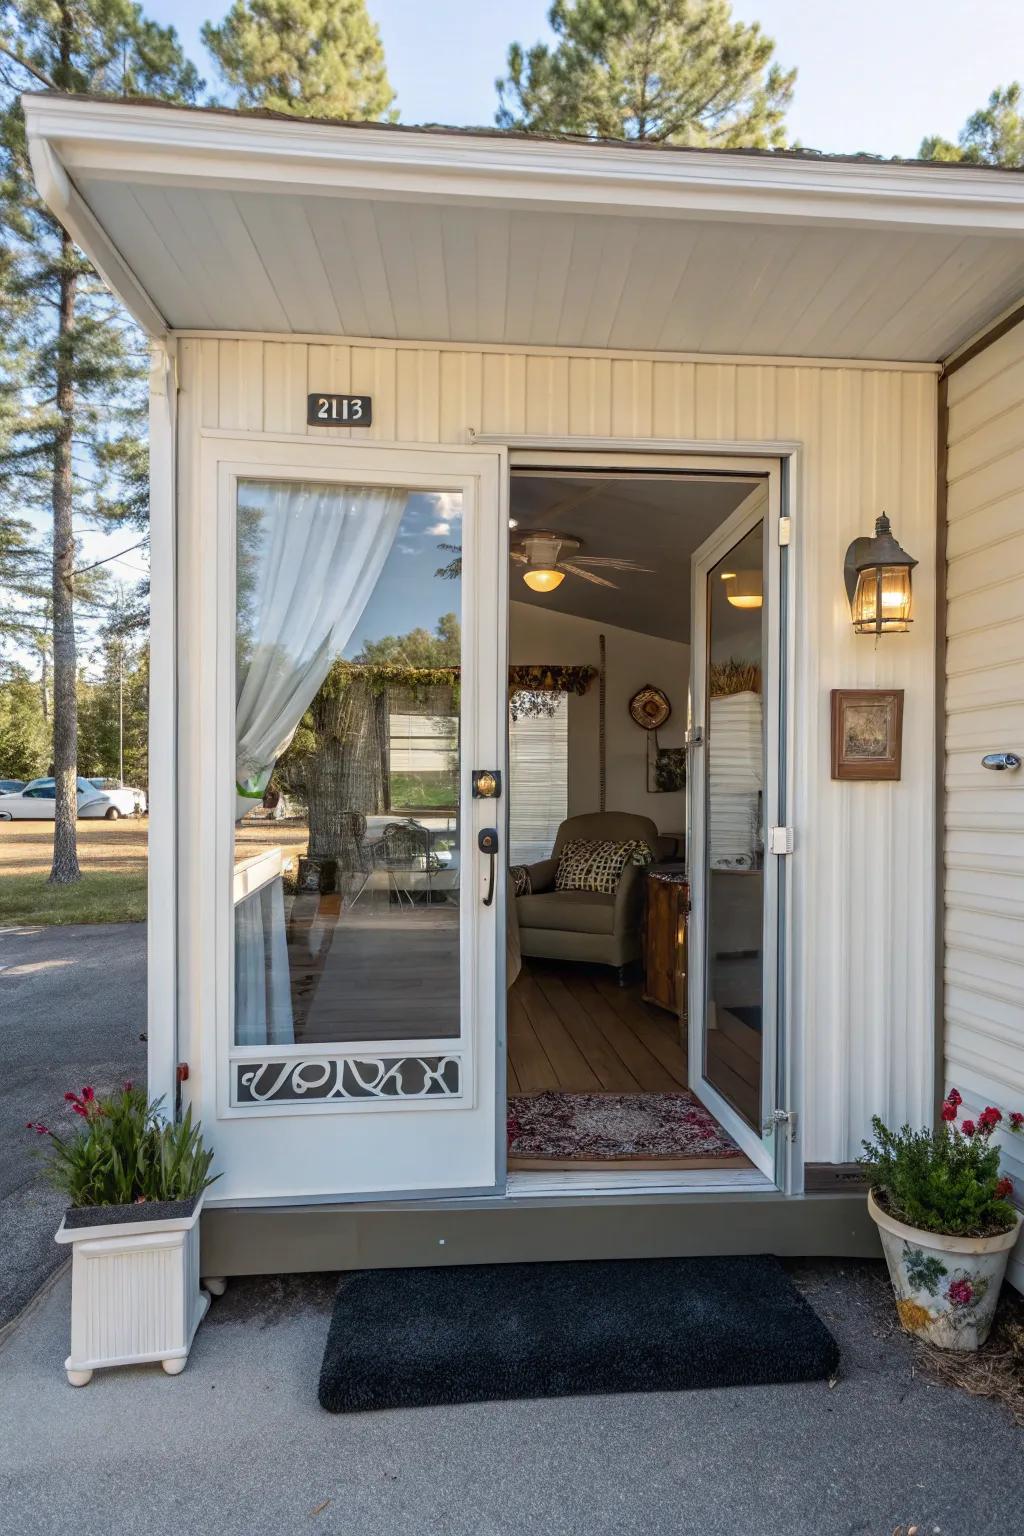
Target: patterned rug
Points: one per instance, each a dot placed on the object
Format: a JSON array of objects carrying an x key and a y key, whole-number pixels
[{"x": 615, "y": 1126}]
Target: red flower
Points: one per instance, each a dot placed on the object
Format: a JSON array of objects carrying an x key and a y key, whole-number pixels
[
  {"x": 88, "y": 1094},
  {"x": 128, "y": 1086},
  {"x": 953, "y": 1097},
  {"x": 39, "y": 1128},
  {"x": 960, "y": 1293},
  {"x": 989, "y": 1119},
  {"x": 968, "y": 1128},
  {"x": 1017, "y": 1120},
  {"x": 1004, "y": 1189},
  {"x": 948, "y": 1111}
]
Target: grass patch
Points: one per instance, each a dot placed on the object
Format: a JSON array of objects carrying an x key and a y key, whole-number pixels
[{"x": 99, "y": 897}]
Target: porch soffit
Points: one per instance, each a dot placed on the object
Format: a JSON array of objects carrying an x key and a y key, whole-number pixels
[{"x": 226, "y": 222}]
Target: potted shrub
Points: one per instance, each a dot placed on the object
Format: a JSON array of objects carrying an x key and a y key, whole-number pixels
[
  {"x": 946, "y": 1221},
  {"x": 134, "y": 1184}
]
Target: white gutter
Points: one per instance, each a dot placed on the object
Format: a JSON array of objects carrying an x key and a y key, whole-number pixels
[
  {"x": 181, "y": 146},
  {"x": 66, "y": 205}
]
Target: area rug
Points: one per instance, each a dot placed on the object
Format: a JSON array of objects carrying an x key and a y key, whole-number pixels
[
  {"x": 414, "y": 1338},
  {"x": 615, "y": 1127}
]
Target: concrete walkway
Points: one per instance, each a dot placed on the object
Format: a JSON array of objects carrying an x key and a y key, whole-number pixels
[
  {"x": 238, "y": 1444},
  {"x": 72, "y": 1010}
]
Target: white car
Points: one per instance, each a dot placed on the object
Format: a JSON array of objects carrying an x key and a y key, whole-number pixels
[
  {"x": 130, "y": 802},
  {"x": 38, "y": 802}
]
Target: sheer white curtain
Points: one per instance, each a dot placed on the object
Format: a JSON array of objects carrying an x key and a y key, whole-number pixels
[{"x": 308, "y": 558}]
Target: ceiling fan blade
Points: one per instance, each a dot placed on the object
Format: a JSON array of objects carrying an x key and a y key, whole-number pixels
[
  {"x": 577, "y": 570},
  {"x": 576, "y": 499},
  {"x": 613, "y": 564}
]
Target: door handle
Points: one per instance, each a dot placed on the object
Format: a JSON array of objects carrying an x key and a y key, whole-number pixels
[
  {"x": 487, "y": 842},
  {"x": 1000, "y": 760}
]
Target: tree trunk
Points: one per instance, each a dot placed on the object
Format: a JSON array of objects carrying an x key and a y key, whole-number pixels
[
  {"x": 65, "y": 702},
  {"x": 344, "y": 775}
]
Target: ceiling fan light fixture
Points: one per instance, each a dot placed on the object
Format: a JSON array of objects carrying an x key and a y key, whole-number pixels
[
  {"x": 543, "y": 578},
  {"x": 745, "y": 590}
]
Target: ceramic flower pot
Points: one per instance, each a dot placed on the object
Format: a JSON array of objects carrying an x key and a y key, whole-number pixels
[
  {"x": 135, "y": 1292},
  {"x": 946, "y": 1287}
]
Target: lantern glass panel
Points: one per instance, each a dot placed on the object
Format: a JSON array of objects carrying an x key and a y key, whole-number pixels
[{"x": 881, "y": 603}]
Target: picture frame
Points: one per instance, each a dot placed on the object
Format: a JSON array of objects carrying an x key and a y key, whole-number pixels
[{"x": 867, "y": 734}]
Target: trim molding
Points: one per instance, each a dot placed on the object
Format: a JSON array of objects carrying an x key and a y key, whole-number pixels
[
  {"x": 972, "y": 349},
  {"x": 941, "y": 532},
  {"x": 833, "y": 1178}
]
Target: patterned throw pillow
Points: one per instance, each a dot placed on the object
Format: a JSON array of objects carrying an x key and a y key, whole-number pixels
[
  {"x": 597, "y": 866},
  {"x": 522, "y": 885}
]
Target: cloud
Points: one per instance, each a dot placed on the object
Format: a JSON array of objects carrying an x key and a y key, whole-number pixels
[
  {"x": 441, "y": 528},
  {"x": 447, "y": 505}
]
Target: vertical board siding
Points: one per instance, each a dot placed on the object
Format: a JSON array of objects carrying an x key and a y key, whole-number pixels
[
  {"x": 984, "y": 811},
  {"x": 863, "y": 876}
]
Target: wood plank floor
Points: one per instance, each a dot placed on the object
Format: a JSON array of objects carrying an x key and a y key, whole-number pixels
[{"x": 571, "y": 1028}]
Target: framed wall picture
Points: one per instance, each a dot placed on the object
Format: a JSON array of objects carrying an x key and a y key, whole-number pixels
[{"x": 867, "y": 733}]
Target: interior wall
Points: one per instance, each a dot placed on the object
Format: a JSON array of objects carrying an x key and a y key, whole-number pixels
[
  {"x": 538, "y": 635},
  {"x": 862, "y": 931}
]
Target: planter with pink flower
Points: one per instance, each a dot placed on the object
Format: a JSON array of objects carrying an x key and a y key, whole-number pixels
[
  {"x": 946, "y": 1219},
  {"x": 134, "y": 1183}
]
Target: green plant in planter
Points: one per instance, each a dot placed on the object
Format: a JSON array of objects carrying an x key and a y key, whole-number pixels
[
  {"x": 944, "y": 1180},
  {"x": 125, "y": 1153}
]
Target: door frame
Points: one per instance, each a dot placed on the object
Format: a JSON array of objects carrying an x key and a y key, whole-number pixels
[
  {"x": 762, "y": 506},
  {"x": 777, "y": 464},
  {"x": 473, "y": 1161}
]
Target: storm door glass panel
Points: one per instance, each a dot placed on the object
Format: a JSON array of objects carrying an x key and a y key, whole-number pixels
[
  {"x": 734, "y": 852},
  {"x": 346, "y": 879}
]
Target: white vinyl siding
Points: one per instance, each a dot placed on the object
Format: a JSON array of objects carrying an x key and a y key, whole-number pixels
[
  {"x": 984, "y": 832},
  {"x": 864, "y": 872},
  {"x": 538, "y": 781}
]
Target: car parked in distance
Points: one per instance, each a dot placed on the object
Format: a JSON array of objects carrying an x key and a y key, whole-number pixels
[
  {"x": 132, "y": 801},
  {"x": 11, "y": 786},
  {"x": 38, "y": 802}
]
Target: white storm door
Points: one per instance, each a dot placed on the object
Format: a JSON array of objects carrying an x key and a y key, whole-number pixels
[
  {"x": 733, "y": 787},
  {"x": 355, "y": 966}
]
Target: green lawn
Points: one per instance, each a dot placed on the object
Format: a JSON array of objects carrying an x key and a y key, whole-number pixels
[{"x": 99, "y": 897}]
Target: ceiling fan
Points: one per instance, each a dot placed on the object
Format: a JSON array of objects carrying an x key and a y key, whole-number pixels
[{"x": 549, "y": 557}]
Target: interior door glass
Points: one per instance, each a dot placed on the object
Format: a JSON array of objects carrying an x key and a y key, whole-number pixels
[
  {"x": 347, "y": 832},
  {"x": 734, "y": 852}
]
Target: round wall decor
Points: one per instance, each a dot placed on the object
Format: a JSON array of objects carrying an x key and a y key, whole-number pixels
[{"x": 650, "y": 707}]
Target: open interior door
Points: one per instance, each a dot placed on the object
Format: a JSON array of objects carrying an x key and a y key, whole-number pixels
[{"x": 733, "y": 786}]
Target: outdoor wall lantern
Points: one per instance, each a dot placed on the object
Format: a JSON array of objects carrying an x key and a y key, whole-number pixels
[{"x": 879, "y": 583}]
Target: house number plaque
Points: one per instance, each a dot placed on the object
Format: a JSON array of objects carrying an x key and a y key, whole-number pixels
[{"x": 339, "y": 410}]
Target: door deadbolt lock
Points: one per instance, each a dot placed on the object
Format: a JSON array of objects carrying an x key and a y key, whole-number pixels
[{"x": 486, "y": 783}]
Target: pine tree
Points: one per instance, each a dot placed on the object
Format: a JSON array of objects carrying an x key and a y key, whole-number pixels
[
  {"x": 992, "y": 136},
  {"x": 313, "y": 58},
  {"x": 674, "y": 71},
  {"x": 82, "y": 388}
]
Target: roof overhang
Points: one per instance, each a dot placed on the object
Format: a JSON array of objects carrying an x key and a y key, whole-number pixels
[{"x": 181, "y": 209}]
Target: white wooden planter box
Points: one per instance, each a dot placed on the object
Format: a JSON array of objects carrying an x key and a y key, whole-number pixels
[{"x": 135, "y": 1293}]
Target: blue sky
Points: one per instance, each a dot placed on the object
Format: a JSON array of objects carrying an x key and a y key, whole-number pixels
[{"x": 874, "y": 75}]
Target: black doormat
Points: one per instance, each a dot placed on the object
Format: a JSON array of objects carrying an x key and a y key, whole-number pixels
[{"x": 412, "y": 1338}]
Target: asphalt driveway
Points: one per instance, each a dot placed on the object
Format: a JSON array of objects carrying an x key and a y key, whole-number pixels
[
  {"x": 238, "y": 1443},
  {"x": 72, "y": 1011}
]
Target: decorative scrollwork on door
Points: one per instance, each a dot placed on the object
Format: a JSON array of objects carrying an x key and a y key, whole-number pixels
[{"x": 317, "y": 1080}]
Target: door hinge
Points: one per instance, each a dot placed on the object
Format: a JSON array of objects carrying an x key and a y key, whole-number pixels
[
  {"x": 694, "y": 736},
  {"x": 780, "y": 840},
  {"x": 785, "y": 530},
  {"x": 779, "y": 1117}
]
